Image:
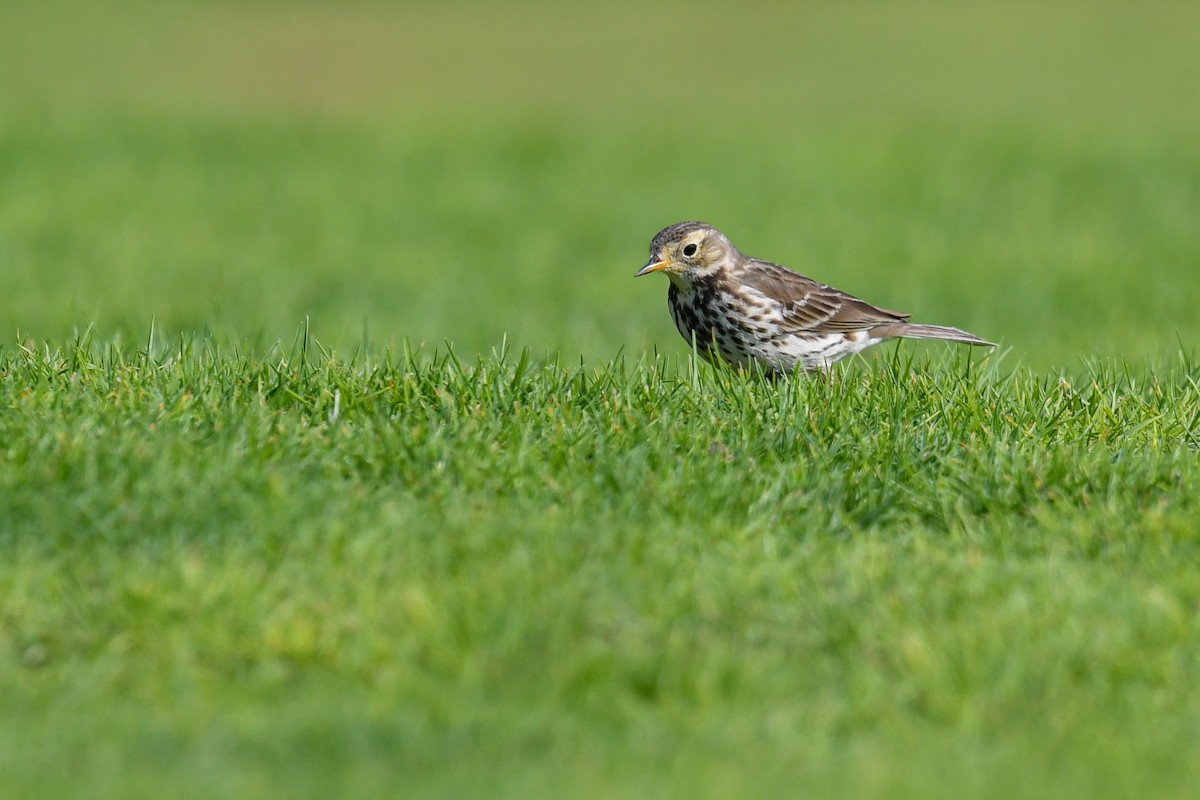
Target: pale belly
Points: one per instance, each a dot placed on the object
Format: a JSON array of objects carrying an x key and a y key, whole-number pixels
[
  {"x": 743, "y": 345},
  {"x": 755, "y": 333}
]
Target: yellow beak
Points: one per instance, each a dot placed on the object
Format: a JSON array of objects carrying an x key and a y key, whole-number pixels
[{"x": 653, "y": 266}]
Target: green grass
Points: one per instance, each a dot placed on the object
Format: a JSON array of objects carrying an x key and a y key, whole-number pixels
[
  {"x": 341, "y": 455},
  {"x": 532, "y": 230},
  {"x": 324, "y": 574}
]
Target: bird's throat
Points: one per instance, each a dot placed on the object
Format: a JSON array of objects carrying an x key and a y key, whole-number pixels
[{"x": 679, "y": 282}]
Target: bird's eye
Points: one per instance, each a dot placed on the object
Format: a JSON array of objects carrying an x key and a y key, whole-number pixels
[{"x": 690, "y": 250}]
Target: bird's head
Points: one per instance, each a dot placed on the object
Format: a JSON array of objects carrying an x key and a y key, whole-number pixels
[{"x": 688, "y": 252}]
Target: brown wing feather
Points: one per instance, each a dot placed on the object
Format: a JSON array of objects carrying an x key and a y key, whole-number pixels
[{"x": 813, "y": 307}]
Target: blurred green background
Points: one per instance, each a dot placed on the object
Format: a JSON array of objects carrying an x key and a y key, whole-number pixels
[
  {"x": 932, "y": 587},
  {"x": 467, "y": 172}
]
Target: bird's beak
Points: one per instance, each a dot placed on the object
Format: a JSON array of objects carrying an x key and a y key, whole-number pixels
[{"x": 653, "y": 266}]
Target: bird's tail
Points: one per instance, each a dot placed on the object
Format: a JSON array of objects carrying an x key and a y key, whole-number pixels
[{"x": 911, "y": 330}]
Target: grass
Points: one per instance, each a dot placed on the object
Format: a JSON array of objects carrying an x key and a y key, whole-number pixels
[
  {"x": 318, "y": 572},
  {"x": 340, "y": 454},
  {"x": 1061, "y": 250}
]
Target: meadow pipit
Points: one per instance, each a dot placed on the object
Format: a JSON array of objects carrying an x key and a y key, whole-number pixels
[{"x": 746, "y": 310}]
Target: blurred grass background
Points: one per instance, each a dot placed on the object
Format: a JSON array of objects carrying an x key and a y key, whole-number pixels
[
  {"x": 469, "y": 172},
  {"x": 494, "y": 583}
]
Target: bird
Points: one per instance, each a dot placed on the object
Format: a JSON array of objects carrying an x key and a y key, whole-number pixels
[{"x": 749, "y": 312}]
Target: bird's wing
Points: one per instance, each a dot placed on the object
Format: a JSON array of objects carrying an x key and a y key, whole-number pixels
[{"x": 811, "y": 307}]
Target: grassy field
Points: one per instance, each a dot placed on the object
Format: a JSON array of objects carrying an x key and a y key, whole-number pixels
[{"x": 341, "y": 455}]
